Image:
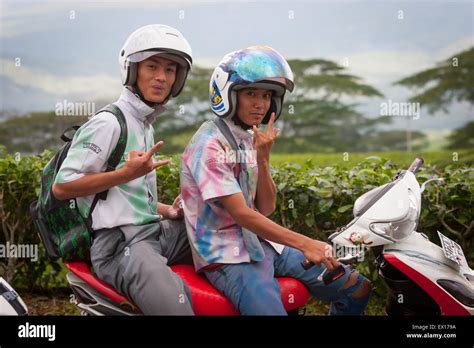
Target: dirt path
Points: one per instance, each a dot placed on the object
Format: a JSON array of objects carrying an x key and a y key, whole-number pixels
[{"x": 57, "y": 303}]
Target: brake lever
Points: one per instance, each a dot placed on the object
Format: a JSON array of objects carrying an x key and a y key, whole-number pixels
[{"x": 349, "y": 259}]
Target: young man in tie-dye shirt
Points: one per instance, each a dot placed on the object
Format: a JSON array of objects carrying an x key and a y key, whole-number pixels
[{"x": 227, "y": 195}]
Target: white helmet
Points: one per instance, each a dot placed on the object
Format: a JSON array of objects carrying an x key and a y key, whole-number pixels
[
  {"x": 155, "y": 39},
  {"x": 10, "y": 302},
  {"x": 255, "y": 66}
]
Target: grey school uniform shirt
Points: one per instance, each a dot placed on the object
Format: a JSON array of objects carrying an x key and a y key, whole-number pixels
[{"x": 132, "y": 203}]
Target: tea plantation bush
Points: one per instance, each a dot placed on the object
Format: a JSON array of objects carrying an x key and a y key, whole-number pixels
[{"x": 311, "y": 200}]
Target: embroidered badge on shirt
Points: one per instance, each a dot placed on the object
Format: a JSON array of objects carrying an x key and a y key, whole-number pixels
[{"x": 91, "y": 146}]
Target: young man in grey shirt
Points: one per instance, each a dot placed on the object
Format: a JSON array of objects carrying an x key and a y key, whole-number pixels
[{"x": 136, "y": 238}]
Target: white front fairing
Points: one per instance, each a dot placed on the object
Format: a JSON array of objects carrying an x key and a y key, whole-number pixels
[
  {"x": 6, "y": 307},
  {"x": 391, "y": 222},
  {"x": 427, "y": 258},
  {"x": 393, "y": 217}
]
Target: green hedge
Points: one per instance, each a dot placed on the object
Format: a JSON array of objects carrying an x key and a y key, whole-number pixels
[{"x": 311, "y": 200}]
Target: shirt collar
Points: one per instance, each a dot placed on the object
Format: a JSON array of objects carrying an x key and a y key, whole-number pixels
[
  {"x": 132, "y": 104},
  {"x": 238, "y": 133}
]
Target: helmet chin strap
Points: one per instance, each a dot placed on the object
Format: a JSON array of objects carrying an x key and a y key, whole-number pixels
[
  {"x": 236, "y": 119},
  {"x": 240, "y": 123},
  {"x": 136, "y": 90}
]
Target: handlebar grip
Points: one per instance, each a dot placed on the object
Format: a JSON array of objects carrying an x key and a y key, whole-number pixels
[
  {"x": 416, "y": 164},
  {"x": 328, "y": 276},
  {"x": 333, "y": 275}
]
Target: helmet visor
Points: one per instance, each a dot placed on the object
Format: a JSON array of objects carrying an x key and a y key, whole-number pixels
[
  {"x": 143, "y": 55},
  {"x": 258, "y": 64}
]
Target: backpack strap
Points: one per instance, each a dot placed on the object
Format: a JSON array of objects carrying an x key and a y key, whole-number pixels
[
  {"x": 224, "y": 128},
  {"x": 64, "y": 137},
  {"x": 116, "y": 154},
  {"x": 119, "y": 149}
]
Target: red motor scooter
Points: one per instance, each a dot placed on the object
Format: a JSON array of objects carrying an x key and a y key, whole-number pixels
[{"x": 94, "y": 297}]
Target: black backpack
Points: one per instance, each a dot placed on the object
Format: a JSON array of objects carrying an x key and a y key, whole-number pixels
[{"x": 64, "y": 231}]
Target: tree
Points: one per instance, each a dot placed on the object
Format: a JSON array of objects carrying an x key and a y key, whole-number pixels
[
  {"x": 451, "y": 80},
  {"x": 462, "y": 138},
  {"x": 317, "y": 118}
]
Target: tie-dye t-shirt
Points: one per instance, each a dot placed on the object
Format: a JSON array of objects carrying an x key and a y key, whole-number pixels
[
  {"x": 209, "y": 170},
  {"x": 132, "y": 203}
]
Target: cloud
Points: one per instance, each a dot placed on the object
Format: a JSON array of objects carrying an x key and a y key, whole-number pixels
[
  {"x": 14, "y": 9},
  {"x": 95, "y": 87},
  {"x": 15, "y": 14},
  {"x": 456, "y": 47},
  {"x": 207, "y": 62},
  {"x": 383, "y": 67}
]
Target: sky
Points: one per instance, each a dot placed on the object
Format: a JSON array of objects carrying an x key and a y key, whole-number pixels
[{"x": 51, "y": 51}]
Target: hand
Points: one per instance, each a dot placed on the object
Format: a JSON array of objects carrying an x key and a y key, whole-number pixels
[
  {"x": 175, "y": 211},
  {"x": 319, "y": 252},
  {"x": 140, "y": 163},
  {"x": 263, "y": 141}
]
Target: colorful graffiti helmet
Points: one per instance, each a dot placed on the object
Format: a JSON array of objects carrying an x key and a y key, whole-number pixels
[
  {"x": 151, "y": 40},
  {"x": 255, "y": 66}
]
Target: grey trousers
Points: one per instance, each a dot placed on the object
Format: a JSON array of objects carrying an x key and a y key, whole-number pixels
[{"x": 135, "y": 261}]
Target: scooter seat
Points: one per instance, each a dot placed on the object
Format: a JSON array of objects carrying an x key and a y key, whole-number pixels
[
  {"x": 82, "y": 270},
  {"x": 206, "y": 299}
]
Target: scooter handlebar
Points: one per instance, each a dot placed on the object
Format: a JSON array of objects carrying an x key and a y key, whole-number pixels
[
  {"x": 416, "y": 165},
  {"x": 329, "y": 276}
]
